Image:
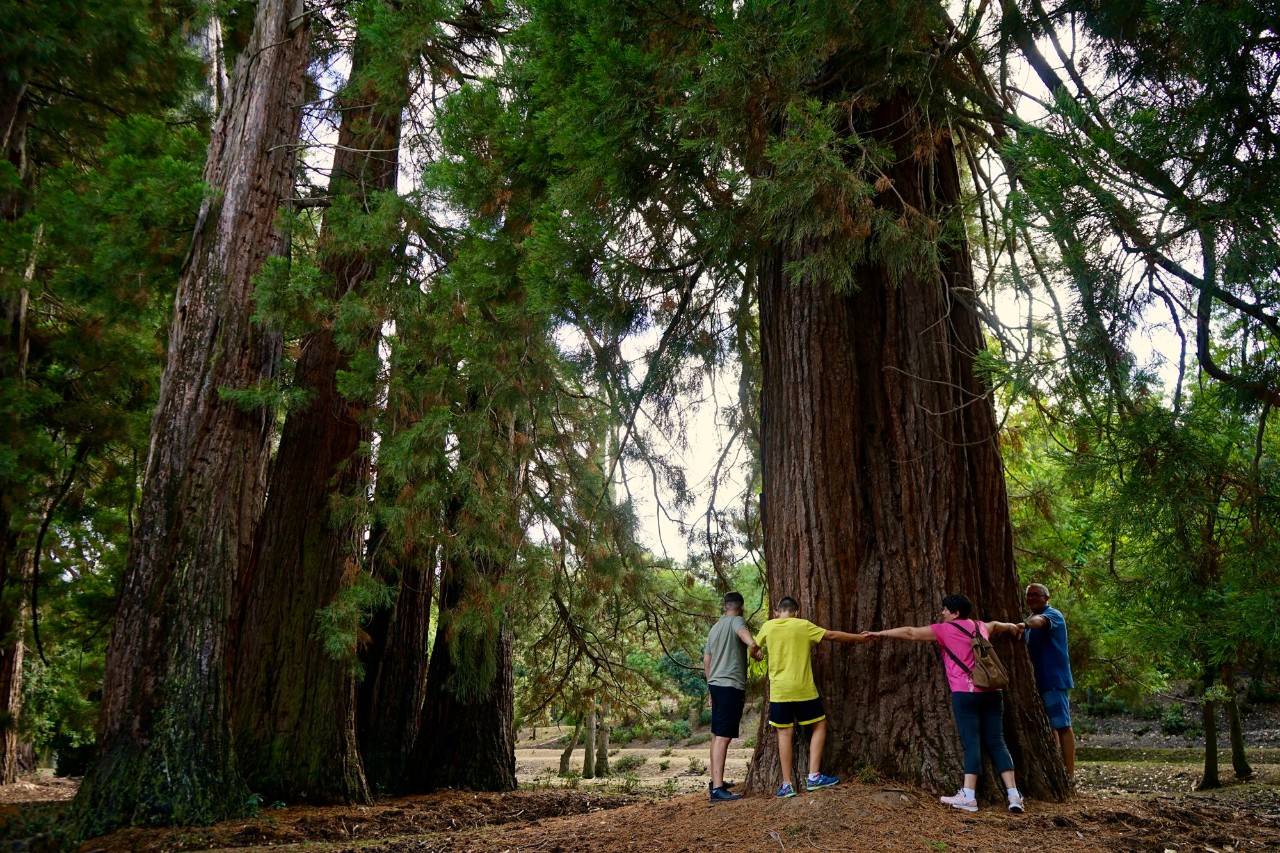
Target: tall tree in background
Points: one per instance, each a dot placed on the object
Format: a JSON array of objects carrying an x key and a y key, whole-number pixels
[
  {"x": 165, "y": 751},
  {"x": 86, "y": 265}
]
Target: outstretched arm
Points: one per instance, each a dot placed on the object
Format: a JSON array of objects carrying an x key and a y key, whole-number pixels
[
  {"x": 845, "y": 637},
  {"x": 1004, "y": 628},
  {"x": 906, "y": 632},
  {"x": 1037, "y": 621}
]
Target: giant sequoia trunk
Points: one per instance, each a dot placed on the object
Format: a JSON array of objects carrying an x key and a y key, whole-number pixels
[
  {"x": 883, "y": 491},
  {"x": 396, "y": 685},
  {"x": 466, "y": 739},
  {"x": 295, "y": 714},
  {"x": 165, "y": 752}
]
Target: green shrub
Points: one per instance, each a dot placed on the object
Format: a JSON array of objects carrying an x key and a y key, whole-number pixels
[
  {"x": 700, "y": 737},
  {"x": 1104, "y": 706},
  {"x": 1174, "y": 720},
  {"x": 664, "y": 765},
  {"x": 750, "y": 743},
  {"x": 1147, "y": 710},
  {"x": 627, "y": 763},
  {"x": 622, "y": 735},
  {"x": 679, "y": 730},
  {"x": 697, "y": 766},
  {"x": 630, "y": 782},
  {"x": 704, "y": 719}
]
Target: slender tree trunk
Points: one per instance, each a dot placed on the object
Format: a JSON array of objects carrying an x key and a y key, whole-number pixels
[
  {"x": 295, "y": 712},
  {"x": 466, "y": 737},
  {"x": 602, "y": 743},
  {"x": 13, "y": 589},
  {"x": 1239, "y": 761},
  {"x": 1209, "y": 716},
  {"x": 884, "y": 491},
  {"x": 567, "y": 756},
  {"x": 589, "y": 748},
  {"x": 165, "y": 750}
]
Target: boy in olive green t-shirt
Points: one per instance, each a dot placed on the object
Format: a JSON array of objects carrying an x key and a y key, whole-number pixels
[{"x": 793, "y": 695}]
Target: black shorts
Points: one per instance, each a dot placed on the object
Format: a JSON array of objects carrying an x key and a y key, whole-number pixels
[
  {"x": 726, "y": 709},
  {"x": 784, "y": 715}
]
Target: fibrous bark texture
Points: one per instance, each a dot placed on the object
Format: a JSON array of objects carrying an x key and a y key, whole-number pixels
[
  {"x": 464, "y": 743},
  {"x": 884, "y": 491},
  {"x": 397, "y": 684},
  {"x": 165, "y": 752},
  {"x": 295, "y": 714}
]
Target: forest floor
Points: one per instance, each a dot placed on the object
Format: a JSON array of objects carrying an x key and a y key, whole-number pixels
[{"x": 1136, "y": 796}]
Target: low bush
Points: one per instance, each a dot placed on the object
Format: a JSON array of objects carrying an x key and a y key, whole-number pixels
[{"x": 627, "y": 763}]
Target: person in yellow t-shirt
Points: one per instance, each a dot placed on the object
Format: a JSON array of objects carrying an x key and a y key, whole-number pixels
[{"x": 793, "y": 696}]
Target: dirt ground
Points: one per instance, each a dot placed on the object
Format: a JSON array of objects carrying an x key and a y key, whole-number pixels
[
  {"x": 1106, "y": 815},
  {"x": 1136, "y": 798},
  {"x": 853, "y": 816}
]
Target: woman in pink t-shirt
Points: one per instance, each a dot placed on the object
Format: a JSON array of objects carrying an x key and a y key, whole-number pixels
[{"x": 979, "y": 711}]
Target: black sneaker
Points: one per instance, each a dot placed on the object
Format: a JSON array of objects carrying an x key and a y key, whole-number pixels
[{"x": 722, "y": 794}]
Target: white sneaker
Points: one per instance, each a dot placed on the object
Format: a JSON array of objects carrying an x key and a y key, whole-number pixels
[
  {"x": 960, "y": 801},
  {"x": 1015, "y": 803}
]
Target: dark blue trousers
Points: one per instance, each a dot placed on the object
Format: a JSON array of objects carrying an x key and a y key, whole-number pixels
[{"x": 980, "y": 721}]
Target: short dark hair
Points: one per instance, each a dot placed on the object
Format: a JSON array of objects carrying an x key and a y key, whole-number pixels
[
  {"x": 789, "y": 604},
  {"x": 959, "y": 605},
  {"x": 734, "y": 599}
]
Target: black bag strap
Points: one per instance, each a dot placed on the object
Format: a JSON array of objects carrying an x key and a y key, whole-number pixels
[
  {"x": 959, "y": 663},
  {"x": 967, "y": 669},
  {"x": 974, "y": 636}
]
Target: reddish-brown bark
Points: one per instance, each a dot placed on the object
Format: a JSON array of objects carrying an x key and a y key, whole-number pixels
[
  {"x": 464, "y": 743},
  {"x": 396, "y": 681},
  {"x": 165, "y": 751},
  {"x": 295, "y": 712},
  {"x": 884, "y": 491}
]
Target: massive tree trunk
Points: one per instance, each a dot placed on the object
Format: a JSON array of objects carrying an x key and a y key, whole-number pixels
[
  {"x": 466, "y": 738},
  {"x": 165, "y": 751},
  {"x": 883, "y": 490},
  {"x": 295, "y": 713},
  {"x": 395, "y": 690}
]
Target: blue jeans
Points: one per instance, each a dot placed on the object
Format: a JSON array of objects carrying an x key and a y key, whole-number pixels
[{"x": 980, "y": 721}]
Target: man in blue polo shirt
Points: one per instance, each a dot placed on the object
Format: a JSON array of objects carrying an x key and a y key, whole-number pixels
[{"x": 1046, "y": 635}]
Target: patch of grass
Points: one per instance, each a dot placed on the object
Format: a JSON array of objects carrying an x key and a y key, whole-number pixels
[
  {"x": 630, "y": 782},
  {"x": 664, "y": 765},
  {"x": 666, "y": 752},
  {"x": 701, "y": 737},
  {"x": 868, "y": 775},
  {"x": 627, "y": 763},
  {"x": 697, "y": 766},
  {"x": 750, "y": 743}
]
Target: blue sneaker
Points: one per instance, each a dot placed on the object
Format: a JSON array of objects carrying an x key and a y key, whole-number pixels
[
  {"x": 823, "y": 781},
  {"x": 723, "y": 794},
  {"x": 785, "y": 791}
]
